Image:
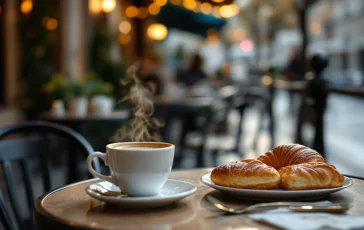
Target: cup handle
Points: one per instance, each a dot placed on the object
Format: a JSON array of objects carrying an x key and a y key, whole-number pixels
[{"x": 92, "y": 170}]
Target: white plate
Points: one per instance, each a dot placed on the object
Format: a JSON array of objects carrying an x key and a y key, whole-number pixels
[
  {"x": 275, "y": 194},
  {"x": 172, "y": 191}
]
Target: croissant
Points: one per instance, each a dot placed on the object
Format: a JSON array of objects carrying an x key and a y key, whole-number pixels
[
  {"x": 290, "y": 154},
  {"x": 314, "y": 175},
  {"x": 252, "y": 174}
]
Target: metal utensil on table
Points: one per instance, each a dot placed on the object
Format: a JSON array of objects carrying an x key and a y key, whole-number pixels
[
  {"x": 105, "y": 191},
  {"x": 293, "y": 206}
]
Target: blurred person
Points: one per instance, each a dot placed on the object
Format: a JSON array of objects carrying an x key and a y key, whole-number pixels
[
  {"x": 194, "y": 72},
  {"x": 222, "y": 77},
  {"x": 150, "y": 73},
  {"x": 294, "y": 72}
]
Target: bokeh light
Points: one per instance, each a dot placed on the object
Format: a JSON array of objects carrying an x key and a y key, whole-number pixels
[
  {"x": 228, "y": 11},
  {"x": 26, "y": 6},
  {"x": 189, "y": 4},
  {"x": 154, "y": 9},
  {"x": 108, "y": 5},
  {"x": 161, "y": 2},
  {"x": 157, "y": 31},
  {"x": 51, "y": 24},
  {"x": 246, "y": 46},
  {"x": 206, "y": 8},
  {"x": 94, "y": 6},
  {"x": 124, "y": 27},
  {"x": 131, "y": 12}
]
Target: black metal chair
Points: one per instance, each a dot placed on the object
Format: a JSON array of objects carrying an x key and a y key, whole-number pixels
[{"x": 31, "y": 140}]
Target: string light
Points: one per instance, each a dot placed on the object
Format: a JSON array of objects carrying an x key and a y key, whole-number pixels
[
  {"x": 108, "y": 5},
  {"x": 228, "y": 11},
  {"x": 51, "y": 24},
  {"x": 94, "y": 6},
  {"x": 153, "y": 9},
  {"x": 161, "y": 2},
  {"x": 124, "y": 27},
  {"x": 157, "y": 31},
  {"x": 189, "y": 4},
  {"x": 206, "y": 8},
  {"x": 26, "y": 6},
  {"x": 131, "y": 12}
]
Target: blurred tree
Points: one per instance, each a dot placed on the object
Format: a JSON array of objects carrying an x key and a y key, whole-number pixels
[
  {"x": 100, "y": 59},
  {"x": 39, "y": 37}
]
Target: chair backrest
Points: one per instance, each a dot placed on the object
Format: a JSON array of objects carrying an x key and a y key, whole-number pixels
[
  {"x": 5, "y": 220},
  {"x": 21, "y": 148}
]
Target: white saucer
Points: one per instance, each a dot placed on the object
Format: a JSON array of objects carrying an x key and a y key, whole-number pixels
[
  {"x": 172, "y": 191},
  {"x": 275, "y": 194}
]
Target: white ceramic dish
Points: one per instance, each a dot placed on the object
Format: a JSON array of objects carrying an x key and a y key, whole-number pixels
[
  {"x": 275, "y": 194},
  {"x": 172, "y": 191}
]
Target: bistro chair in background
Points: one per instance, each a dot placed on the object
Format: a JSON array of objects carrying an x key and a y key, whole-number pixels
[{"x": 20, "y": 145}]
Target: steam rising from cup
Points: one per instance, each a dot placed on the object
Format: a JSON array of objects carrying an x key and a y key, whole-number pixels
[{"x": 143, "y": 126}]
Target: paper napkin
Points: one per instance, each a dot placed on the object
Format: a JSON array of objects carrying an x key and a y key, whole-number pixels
[{"x": 286, "y": 219}]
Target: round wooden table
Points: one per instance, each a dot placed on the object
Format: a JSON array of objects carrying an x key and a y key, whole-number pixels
[{"x": 71, "y": 208}]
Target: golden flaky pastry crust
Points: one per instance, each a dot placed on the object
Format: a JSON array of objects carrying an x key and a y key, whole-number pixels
[
  {"x": 290, "y": 154},
  {"x": 251, "y": 174},
  {"x": 314, "y": 175}
]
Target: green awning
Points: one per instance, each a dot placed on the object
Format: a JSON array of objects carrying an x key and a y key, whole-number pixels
[{"x": 173, "y": 16}]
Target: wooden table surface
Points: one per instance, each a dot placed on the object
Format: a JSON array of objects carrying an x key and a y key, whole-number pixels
[{"x": 71, "y": 208}]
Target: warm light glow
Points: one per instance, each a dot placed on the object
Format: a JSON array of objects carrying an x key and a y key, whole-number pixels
[
  {"x": 216, "y": 11},
  {"x": 197, "y": 7},
  {"x": 161, "y": 2},
  {"x": 124, "y": 39},
  {"x": 189, "y": 4},
  {"x": 94, "y": 6},
  {"x": 26, "y": 6},
  {"x": 131, "y": 12},
  {"x": 228, "y": 11},
  {"x": 175, "y": 2},
  {"x": 246, "y": 46},
  {"x": 218, "y": 1},
  {"x": 51, "y": 24},
  {"x": 143, "y": 12},
  {"x": 124, "y": 27},
  {"x": 108, "y": 5},
  {"x": 154, "y": 9},
  {"x": 206, "y": 8},
  {"x": 157, "y": 31}
]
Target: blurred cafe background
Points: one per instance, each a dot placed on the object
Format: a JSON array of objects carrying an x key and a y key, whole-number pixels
[{"x": 231, "y": 78}]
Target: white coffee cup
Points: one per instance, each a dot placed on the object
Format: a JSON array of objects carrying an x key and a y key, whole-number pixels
[{"x": 137, "y": 168}]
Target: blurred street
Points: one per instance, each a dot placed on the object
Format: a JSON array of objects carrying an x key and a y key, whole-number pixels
[{"x": 344, "y": 131}]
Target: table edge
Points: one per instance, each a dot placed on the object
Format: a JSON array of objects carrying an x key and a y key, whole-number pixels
[{"x": 41, "y": 212}]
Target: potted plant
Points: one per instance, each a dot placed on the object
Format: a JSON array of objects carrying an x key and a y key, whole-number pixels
[
  {"x": 76, "y": 92},
  {"x": 55, "y": 90},
  {"x": 101, "y": 102}
]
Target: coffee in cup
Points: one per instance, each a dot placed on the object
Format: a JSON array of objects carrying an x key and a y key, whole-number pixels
[{"x": 137, "y": 168}]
